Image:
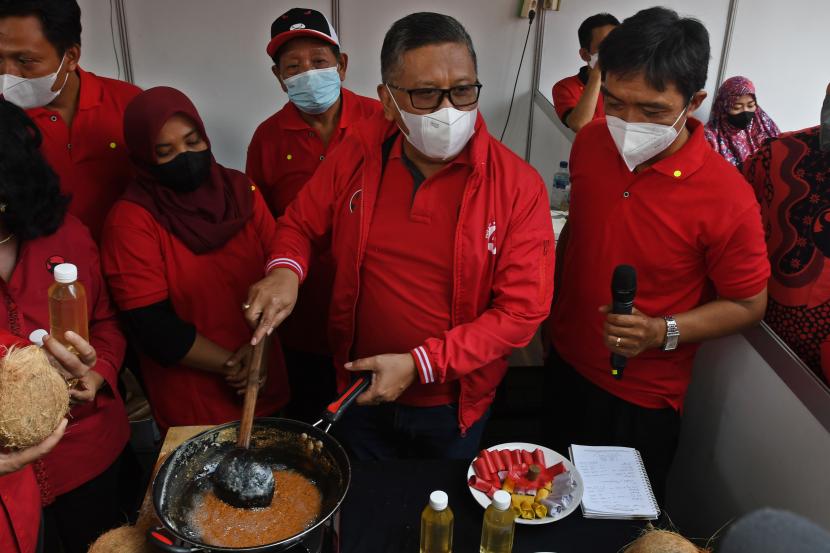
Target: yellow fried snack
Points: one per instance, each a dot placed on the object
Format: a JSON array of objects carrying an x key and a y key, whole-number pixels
[
  {"x": 541, "y": 494},
  {"x": 509, "y": 485},
  {"x": 540, "y": 510},
  {"x": 528, "y": 514}
]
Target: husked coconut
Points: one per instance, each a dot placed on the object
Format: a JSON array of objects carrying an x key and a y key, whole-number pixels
[
  {"x": 125, "y": 539},
  {"x": 662, "y": 541},
  {"x": 33, "y": 397}
]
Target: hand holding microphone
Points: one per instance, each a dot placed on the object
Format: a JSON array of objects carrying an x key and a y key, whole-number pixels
[{"x": 627, "y": 331}]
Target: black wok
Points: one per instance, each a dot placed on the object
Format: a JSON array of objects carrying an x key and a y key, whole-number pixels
[{"x": 282, "y": 443}]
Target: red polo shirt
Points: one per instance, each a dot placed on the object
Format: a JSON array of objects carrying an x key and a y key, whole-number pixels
[
  {"x": 283, "y": 154},
  {"x": 90, "y": 157},
  {"x": 568, "y": 91},
  {"x": 19, "y": 496},
  {"x": 689, "y": 225},
  {"x": 406, "y": 276},
  {"x": 145, "y": 264},
  {"x": 97, "y": 431}
]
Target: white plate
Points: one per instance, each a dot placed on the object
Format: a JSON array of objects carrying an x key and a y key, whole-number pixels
[{"x": 551, "y": 458}]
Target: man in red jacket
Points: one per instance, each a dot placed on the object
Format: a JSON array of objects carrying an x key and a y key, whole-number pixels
[
  {"x": 443, "y": 248},
  {"x": 79, "y": 114},
  {"x": 285, "y": 151}
]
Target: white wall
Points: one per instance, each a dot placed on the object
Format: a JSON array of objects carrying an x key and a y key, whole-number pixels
[
  {"x": 783, "y": 48},
  {"x": 214, "y": 50},
  {"x": 97, "y": 52},
  {"x": 747, "y": 440}
]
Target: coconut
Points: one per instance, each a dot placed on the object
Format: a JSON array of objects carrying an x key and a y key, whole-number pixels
[
  {"x": 126, "y": 539},
  {"x": 33, "y": 397},
  {"x": 662, "y": 541}
]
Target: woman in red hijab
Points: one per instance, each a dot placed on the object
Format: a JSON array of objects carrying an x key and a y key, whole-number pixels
[
  {"x": 738, "y": 126},
  {"x": 179, "y": 251}
]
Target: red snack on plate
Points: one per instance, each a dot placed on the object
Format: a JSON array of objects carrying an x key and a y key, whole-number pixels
[
  {"x": 489, "y": 462},
  {"x": 506, "y": 459},
  {"x": 515, "y": 458},
  {"x": 481, "y": 469},
  {"x": 539, "y": 458},
  {"x": 554, "y": 470},
  {"x": 498, "y": 460},
  {"x": 482, "y": 485},
  {"x": 527, "y": 458}
]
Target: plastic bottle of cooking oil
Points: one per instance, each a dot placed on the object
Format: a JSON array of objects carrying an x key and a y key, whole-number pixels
[
  {"x": 499, "y": 523},
  {"x": 436, "y": 524},
  {"x": 67, "y": 305}
]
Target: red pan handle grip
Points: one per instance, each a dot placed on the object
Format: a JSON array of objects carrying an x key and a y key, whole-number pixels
[
  {"x": 336, "y": 408},
  {"x": 161, "y": 539}
]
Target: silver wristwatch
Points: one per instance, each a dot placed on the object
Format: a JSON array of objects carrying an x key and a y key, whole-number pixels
[{"x": 672, "y": 334}]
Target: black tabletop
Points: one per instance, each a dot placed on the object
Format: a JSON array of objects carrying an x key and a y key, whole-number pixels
[{"x": 382, "y": 514}]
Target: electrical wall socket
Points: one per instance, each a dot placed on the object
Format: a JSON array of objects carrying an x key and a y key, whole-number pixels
[{"x": 526, "y": 6}]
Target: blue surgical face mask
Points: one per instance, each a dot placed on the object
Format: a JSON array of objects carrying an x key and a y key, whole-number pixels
[{"x": 314, "y": 91}]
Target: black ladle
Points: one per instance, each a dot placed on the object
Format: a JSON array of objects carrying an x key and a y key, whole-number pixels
[{"x": 240, "y": 479}]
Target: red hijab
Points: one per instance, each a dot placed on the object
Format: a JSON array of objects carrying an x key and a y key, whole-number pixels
[{"x": 204, "y": 219}]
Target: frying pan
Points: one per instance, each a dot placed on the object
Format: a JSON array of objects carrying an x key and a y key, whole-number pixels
[{"x": 282, "y": 443}]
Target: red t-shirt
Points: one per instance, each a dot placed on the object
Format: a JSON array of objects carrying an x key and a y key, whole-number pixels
[
  {"x": 145, "y": 264},
  {"x": 409, "y": 257},
  {"x": 568, "y": 91},
  {"x": 19, "y": 495},
  {"x": 283, "y": 154},
  {"x": 689, "y": 225},
  {"x": 97, "y": 431},
  {"x": 91, "y": 157}
]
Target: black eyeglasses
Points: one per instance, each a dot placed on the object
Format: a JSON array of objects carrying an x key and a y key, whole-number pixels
[{"x": 430, "y": 98}]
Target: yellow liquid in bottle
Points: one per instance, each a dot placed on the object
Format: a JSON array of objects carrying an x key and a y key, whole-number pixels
[
  {"x": 68, "y": 311},
  {"x": 436, "y": 530},
  {"x": 497, "y": 531}
]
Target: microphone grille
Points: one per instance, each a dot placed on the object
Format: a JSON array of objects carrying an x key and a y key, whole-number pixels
[{"x": 625, "y": 278}]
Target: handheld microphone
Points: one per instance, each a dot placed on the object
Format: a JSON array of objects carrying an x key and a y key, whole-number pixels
[{"x": 623, "y": 289}]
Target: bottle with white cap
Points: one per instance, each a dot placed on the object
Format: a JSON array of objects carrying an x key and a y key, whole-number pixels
[
  {"x": 499, "y": 524},
  {"x": 67, "y": 305},
  {"x": 436, "y": 524},
  {"x": 36, "y": 337}
]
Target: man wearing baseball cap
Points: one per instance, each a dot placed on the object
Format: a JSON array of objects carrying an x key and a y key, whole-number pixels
[{"x": 285, "y": 151}]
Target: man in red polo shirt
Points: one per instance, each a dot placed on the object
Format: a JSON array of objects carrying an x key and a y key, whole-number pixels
[
  {"x": 443, "y": 248},
  {"x": 79, "y": 114},
  {"x": 285, "y": 151},
  {"x": 650, "y": 193},
  {"x": 576, "y": 99}
]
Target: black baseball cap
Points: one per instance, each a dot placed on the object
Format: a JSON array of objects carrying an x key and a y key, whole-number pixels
[{"x": 300, "y": 22}]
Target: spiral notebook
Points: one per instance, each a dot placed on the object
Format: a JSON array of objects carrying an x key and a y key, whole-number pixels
[{"x": 616, "y": 485}]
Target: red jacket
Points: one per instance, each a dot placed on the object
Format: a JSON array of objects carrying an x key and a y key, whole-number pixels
[
  {"x": 503, "y": 269},
  {"x": 19, "y": 494}
]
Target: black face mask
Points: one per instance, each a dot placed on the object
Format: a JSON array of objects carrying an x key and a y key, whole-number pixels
[
  {"x": 184, "y": 173},
  {"x": 741, "y": 120}
]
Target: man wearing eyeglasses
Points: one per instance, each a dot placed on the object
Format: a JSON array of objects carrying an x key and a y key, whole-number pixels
[{"x": 443, "y": 248}]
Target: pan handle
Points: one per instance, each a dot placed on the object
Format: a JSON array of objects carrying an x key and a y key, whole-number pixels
[
  {"x": 336, "y": 408},
  {"x": 162, "y": 539}
]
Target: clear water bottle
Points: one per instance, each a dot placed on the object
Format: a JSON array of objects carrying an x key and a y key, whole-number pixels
[
  {"x": 560, "y": 199},
  {"x": 499, "y": 525},
  {"x": 436, "y": 524}
]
